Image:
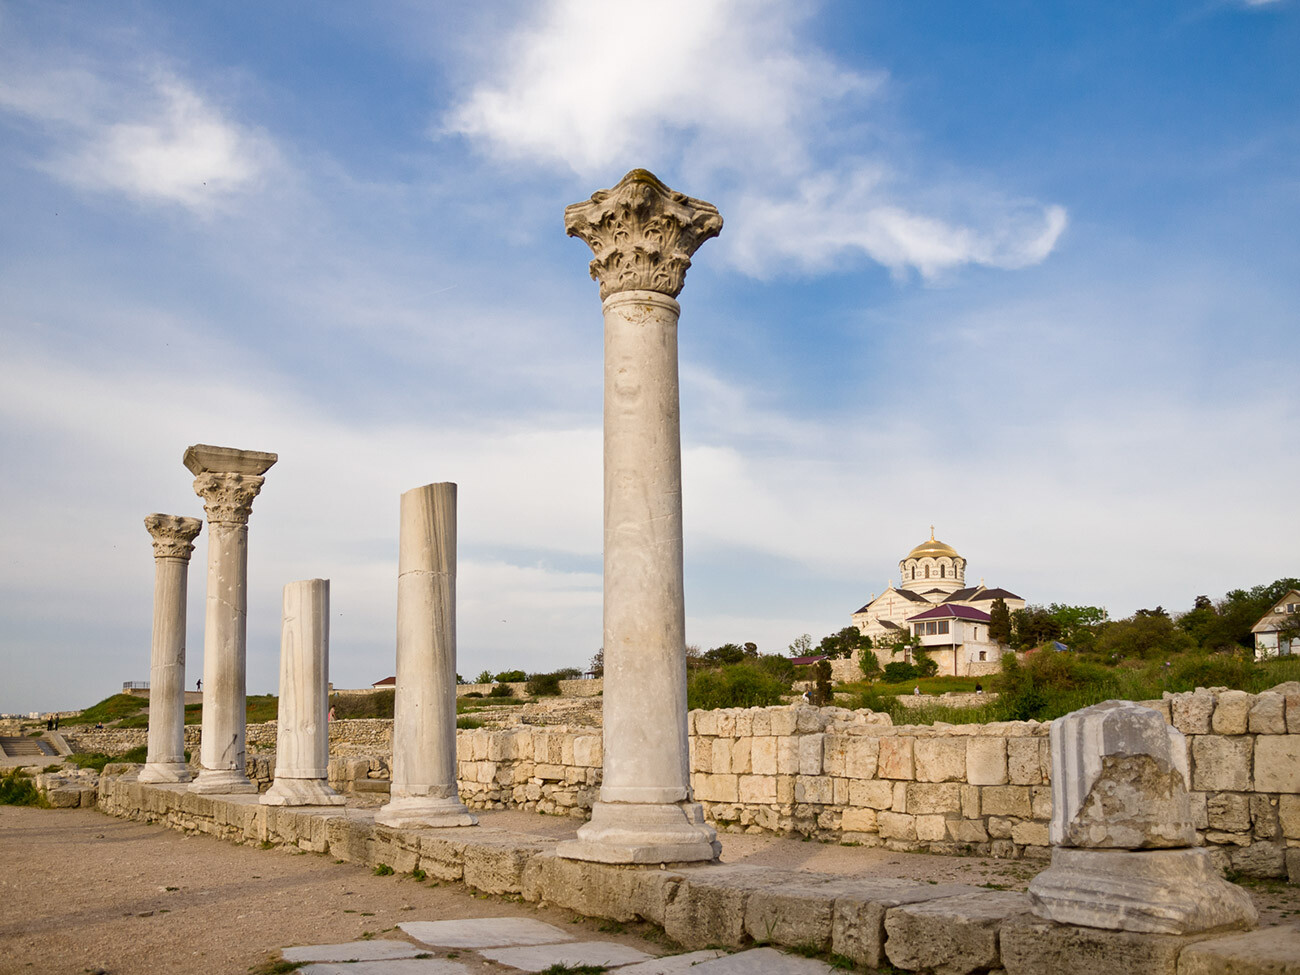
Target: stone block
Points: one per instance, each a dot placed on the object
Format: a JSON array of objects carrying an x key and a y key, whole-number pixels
[
  {"x": 1228, "y": 811},
  {"x": 943, "y": 798},
  {"x": 1005, "y": 800},
  {"x": 762, "y": 755},
  {"x": 1262, "y": 859},
  {"x": 1031, "y": 946},
  {"x": 1288, "y": 815},
  {"x": 1030, "y": 834},
  {"x": 1024, "y": 761},
  {"x": 787, "y": 755},
  {"x": 858, "y": 929},
  {"x": 706, "y": 723},
  {"x": 757, "y": 788},
  {"x": 950, "y": 936},
  {"x": 861, "y": 755},
  {"x": 1264, "y": 816},
  {"x": 986, "y": 761},
  {"x": 721, "y": 760},
  {"x": 1291, "y": 700},
  {"x": 896, "y": 826},
  {"x": 791, "y": 914},
  {"x": 834, "y": 754},
  {"x": 1192, "y": 712},
  {"x": 762, "y": 723},
  {"x": 784, "y": 721},
  {"x": 442, "y": 854},
  {"x": 970, "y": 802},
  {"x": 895, "y": 760},
  {"x": 740, "y": 754},
  {"x": 814, "y": 788},
  {"x": 708, "y": 907},
  {"x": 1268, "y": 714},
  {"x": 931, "y": 828},
  {"x": 940, "y": 760},
  {"x": 1293, "y": 865},
  {"x": 600, "y": 889},
  {"x": 1221, "y": 764},
  {"x": 1277, "y": 763},
  {"x": 858, "y": 820},
  {"x": 1040, "y": 802},
  {"x": 873, "y": 794},
  {"x": 967, "y": 831},
  {"x": 1272, "y": 951},
  {"x": 497, "y": 866},
  {"x": 588, "y": 751},
  {"x": 810, "y": 754},
  {"x": 1230, "y": 713}
]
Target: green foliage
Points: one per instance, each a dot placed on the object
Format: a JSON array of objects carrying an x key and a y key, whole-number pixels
[
  {"x": 95, "y": 760},
  {"x": 1079, "y": 624},
  {"x": 383, "y": 870},
  {"x": 597, "y": 665},
  {"x": 260, "y": 708},
  {"x": 899, "y": 671},
  {"x": 372, "y": 704},
  {"x": 743, "y": 685},
  {"x": 868, "y": 662},
  {"x": 923, "y": 663},
  {"x": 16, "y": 789},
  {"x": 543, "y": 685},
  {"x": 842, "y": 644},
  {"x": 111, "y": 709},
  {"x": 1226, "y": 625},
  {"x": 873, "y": 700},
  {"x": 1033, "y": 626},
  {"x": 801, "y": 647},
  {"x": 822, "y": 692},
  {"x": 1213, "y": 670},
  {"x": 511, "y": 677},
  {"x": 1143, "y": 636},
  {"x": 777, "y": 666},
  {"x": 468, "y": 723},
  {"x": 730, "y": 653},
  {"x": 501, "y": 690},
  {"x": 485, "y": 677},
  {"x": 1000, "y": 621}
]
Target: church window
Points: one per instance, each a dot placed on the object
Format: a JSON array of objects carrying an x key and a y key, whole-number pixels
[
  {"x": 927, "y": 572},
  {"x": 943, "y": 572}
]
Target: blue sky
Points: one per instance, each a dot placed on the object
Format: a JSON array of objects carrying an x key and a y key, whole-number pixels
[{"x": 1029, "y": 272}]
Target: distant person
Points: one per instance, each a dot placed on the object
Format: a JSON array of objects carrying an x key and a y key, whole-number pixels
[
  {"x": 917, "y": 690},
  {"x": 56, "y": 722},
  {"x": 99, "y": 726},
  {"x": 807, "y": 696},
  {"x": 198, "y": 684},
  {"x": 979, "y": 688},
  {"x": 49, "y": 724},
  {"x": 330, "y": 716}
]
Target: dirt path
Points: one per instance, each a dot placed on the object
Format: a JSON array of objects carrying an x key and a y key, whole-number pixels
[{"x": 83, "y": 892}]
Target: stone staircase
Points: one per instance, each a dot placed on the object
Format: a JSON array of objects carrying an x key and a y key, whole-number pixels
[{"x": 15, "y": 747}]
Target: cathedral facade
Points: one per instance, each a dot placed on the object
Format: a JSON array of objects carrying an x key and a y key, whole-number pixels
[{"x": 933, "y": 603}]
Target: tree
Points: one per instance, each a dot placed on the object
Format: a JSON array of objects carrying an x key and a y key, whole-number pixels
[
  {"x": 868, "y": 662},
  {"x": 822, "y": 692},
  {"x": 923, "y": 663},
  {"x": 1000, "y": 621},
  {"x": 729, "y": 653},
  {"x": 843, "y": 643},
  {"x": 802, "y": 646},
  {"x": 597, "y": 665},
  {"x": 1033, "y": 626},
  {"x": 1143, "y": 636},
  {"x": 484, "y": 678},
  {"x": 1079, "y": 625}
]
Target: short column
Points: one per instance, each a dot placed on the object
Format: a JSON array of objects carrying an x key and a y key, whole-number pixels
[
  {"x": 424, "y": 711},
  {"x": 173, "y": 541},
  {"x": 302, "y": 745},
  {"x": 643, "y": 235},
  {"x": 227, "y": 480}
]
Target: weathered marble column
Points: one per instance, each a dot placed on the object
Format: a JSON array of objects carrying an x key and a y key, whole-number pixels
[
  {"x": 643, "y": 235},
  {"x": 173, "y": 541},
  {"x": 227, "y": 480},
  {"x": 423, "y": 789},
  {"x": 302, "y": 743}
]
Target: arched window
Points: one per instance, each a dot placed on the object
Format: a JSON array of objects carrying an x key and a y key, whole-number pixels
[
  {"x": 913, "y": 571},
  {"x": 927, "y": 572},
  {"x": 943, "y": 572}
]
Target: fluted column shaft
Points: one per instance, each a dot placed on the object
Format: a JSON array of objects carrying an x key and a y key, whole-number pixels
[
  {"x": 423, "y": 790},
  {"x": 302, "y": 746},
  {"x": 173, "y": 541}
]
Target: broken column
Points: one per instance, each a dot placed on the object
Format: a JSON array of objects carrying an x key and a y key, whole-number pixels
[
  {"x": 173, "y": 541},
  {"x": 1122, "y": 831},
  {"x": 227, "y": 480},
  {"x": 423, "y": 790},
  {"x": 643, "y": 235},
  {"x": 302, "y": 744}
]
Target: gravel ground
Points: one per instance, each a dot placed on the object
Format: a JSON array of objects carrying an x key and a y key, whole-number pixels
[{"x": 84, "y": 892}]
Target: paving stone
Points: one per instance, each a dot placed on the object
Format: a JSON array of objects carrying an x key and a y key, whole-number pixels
[
  {"x": 485, "y": 932},
  {"x": 672, "y": 964},
  {"x": 389, "y": 966},
  {"x": 950, "y": 936},
  {"x": 536, "y": 958},
  {"x": 858, "y": 931},
  {"x": 1031, "y": 946},
  {"x": 1273, "y": 951},
  {"x": 762, "y": 961},
  {"x": 354, "y": 951}
]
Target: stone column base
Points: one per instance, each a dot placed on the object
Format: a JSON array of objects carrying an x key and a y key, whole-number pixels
[
  {"x": 412, "y": 812},
  {"x": 1156, "y": 891},
  {"x": 286, "y": 791},
  {"x": 633, "y": 832},
  {"x": 222, "y": 782},
  {"x": 164, "y": 772}
]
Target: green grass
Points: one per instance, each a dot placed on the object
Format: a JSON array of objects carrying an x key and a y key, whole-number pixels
[
  {"x": 928, "y": 685},
  {"x": 110, "y": 709},
  {"x": 97, "y": 760},
  {"x": 383, "y": 870},
  {"x": 17, "y": 789},
  {"x": 468, "y": 723},
  {"x": 261, "y": 708}
]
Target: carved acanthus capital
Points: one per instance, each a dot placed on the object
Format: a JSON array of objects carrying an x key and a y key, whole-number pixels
[
  {"x": 173, "y": 535},
  {"x": 228, "y": 498},
  {"x": 643, "y": 234}
]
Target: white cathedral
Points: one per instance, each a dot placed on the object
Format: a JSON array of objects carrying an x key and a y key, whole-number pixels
[{"x": 933, "y": 602}]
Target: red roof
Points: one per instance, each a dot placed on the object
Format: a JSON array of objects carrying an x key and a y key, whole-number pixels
[
  {"x": 951, "y": 613},
  {"x": 386, "y": 682}
]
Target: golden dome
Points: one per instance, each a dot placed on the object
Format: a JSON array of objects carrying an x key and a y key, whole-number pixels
[{"x": 934, "y": 549}]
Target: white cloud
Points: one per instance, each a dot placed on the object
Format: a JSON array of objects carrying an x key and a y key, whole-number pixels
[
  {"x": 738, "y": 101},
  {"x": 149, "y": 135}
]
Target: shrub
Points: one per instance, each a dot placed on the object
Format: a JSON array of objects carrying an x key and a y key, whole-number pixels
[
  {"x": 477, "y": 694},
  {"x": 374, "y": 704},
  {"x": 502, "y": 690},
  {"x": 543, "y": 685},
  {"x": 871, "y": 700},
  {"x": 868, "y": 662},
  {"x": 16, "y": 789},
  {"x": 900, "y": 671},
  {"x": 743, "y": 685},
  {"x": 1212, "y": 670},
  {"x": 468, "y": 723},
  {"x": 511, "y": 677}
]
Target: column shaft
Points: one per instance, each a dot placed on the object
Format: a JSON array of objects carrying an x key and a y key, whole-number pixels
[
  {"x": 302, "y": 732},
  {"x": 225, "y": 640},
  {"x": 644, "y": 615},
  {"x": 424, "y": 713}
]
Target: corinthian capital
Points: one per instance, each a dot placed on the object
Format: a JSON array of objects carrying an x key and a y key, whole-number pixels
[
  {"x": 643, "y": 234},
  {"x": 173, "y": 535},
  {"x": 228, "y": 498}
]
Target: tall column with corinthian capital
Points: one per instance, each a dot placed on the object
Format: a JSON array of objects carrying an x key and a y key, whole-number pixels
[
  {"x": 227, "y": 480},
  {"x": 643, "y": 235},
  {"x": 173, "y": 541}
]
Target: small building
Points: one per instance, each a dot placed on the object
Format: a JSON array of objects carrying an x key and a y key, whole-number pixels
[
  {"x": 387, "y": 682},
  {"x": 1278, "y": 631}
]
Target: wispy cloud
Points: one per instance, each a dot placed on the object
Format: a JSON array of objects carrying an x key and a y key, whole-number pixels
[
  {"x": 148, "y": 134},
  {"x": 743, "y": 103}
]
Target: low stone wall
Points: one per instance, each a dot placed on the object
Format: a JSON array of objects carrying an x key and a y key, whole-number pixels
[
  {"x": 951, "y": 928},
  {"x": 591, "y": 687}
]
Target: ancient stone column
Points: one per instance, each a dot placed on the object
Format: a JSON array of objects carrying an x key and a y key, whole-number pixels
[
  {"x": 1122, "y": 831},
  {"x": 423, "y": 791},
  {"x": 302, "y": 743},
  {"x": 173, "y": 541},
  {"x": 643, "y": 235},
  {"x": 227, "y": 480}
]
